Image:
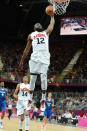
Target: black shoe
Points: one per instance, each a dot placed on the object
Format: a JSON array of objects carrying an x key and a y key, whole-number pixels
[{"x": 20, "y": 129}]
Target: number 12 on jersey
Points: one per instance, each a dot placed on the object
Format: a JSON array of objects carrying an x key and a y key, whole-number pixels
[{"x": 40, "y": 40}]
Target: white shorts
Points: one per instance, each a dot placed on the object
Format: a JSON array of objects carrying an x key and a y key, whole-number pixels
[
  {"x": 38, "y": 68},
  {"x": 22, "y": 105}
]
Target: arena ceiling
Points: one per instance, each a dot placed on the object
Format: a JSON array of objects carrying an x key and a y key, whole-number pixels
[{"x": 17, "y": 17}]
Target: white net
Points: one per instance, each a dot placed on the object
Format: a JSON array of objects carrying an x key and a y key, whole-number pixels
[{"x": 59, "y": 7}]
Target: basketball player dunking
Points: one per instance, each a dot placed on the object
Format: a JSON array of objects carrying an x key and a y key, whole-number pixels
[
  {"x": 40, "y": 58},
  {"x": 22, "y": 95}
]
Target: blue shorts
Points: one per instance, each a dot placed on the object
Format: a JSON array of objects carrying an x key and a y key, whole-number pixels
[
  {"x": 48, "y": 113},
  {"x": 2, "y": 105}
]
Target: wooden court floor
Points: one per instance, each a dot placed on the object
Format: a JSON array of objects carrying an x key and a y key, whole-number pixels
[{"x": 13, "y": 124}]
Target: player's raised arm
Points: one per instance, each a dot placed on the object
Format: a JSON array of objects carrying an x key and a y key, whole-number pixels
[
  {"x": 26, "y": 51},
  {"x": 16, "y": 91},
  {"x": 51, "y": 25}
]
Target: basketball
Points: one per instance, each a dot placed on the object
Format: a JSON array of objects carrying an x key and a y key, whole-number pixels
[{"x": 49, "y": 10}]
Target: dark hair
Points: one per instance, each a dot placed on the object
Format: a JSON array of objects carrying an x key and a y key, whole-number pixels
[{"x": 38, "y": 29}]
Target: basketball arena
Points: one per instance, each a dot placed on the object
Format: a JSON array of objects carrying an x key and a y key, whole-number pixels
[{"x": 56, "y": 65}]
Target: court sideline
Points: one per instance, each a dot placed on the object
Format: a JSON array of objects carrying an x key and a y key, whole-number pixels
[{"x": 13, "y": 124}]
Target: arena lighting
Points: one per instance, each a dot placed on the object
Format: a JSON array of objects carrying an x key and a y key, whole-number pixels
[{"x": 20, "y": 5}]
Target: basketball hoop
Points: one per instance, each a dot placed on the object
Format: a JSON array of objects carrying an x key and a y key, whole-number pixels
[{"x": 59, "y": 6}]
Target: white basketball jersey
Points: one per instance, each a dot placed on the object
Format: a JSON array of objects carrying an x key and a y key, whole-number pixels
[
  {"x": 40, "y": 46},
  {"x": 24, "y": 91}
]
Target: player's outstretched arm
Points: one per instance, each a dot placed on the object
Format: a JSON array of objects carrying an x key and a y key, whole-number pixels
[
  {"x": 26, "y": 51},
  {"x": 16, "y": 92},
  {"x": 51, "y": 25}
]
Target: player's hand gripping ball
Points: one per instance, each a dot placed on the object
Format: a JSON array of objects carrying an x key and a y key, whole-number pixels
[{"x": 49, "y": 10}]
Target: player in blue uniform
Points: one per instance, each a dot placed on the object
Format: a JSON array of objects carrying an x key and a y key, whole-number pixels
[
  {"x": 3, "y": 97},
  {"x": 49, "y": 103}
]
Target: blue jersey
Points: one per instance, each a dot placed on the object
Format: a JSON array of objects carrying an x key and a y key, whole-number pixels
[
  {"x": 3, "y": 93},
  {"x": 48, "y": 104}
]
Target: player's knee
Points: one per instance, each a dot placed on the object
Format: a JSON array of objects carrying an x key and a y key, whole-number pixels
[
  {"x": 43, "y": 77},
  {"x": 22, "y": 117},
  {"x": 32, "y": 82}
]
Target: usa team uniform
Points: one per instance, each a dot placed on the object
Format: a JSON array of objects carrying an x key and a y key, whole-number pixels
[
  {"x": 40, "y": 46},
  {"x": 48, "y": 108},
  {"x": 3, "y": 94},
  {"x": 23, "y": 97},
  {"x": 40, "y": 57}
]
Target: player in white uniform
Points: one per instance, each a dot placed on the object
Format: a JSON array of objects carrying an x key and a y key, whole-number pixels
[
  {"x": 40, "y": 57},
  {"x": 22, "y": 95}
]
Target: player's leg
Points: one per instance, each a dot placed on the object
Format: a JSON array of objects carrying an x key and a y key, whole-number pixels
[
  {"x": 43, "y": 76},
  {"x": 1, "y": 120},
  {"x": 3, "y": 109},
  {"x": 20, "y": 112},
  {"x": 9, "y": 113},
  {"x": 47, "y": 116},
  {"x": 26, "y": 120},
  {"x": 21, "y": 122},
  {"x": 45, "y": 119},
  {"x": 33, "y": 77},
  {"x": 43, "y": 85}
]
